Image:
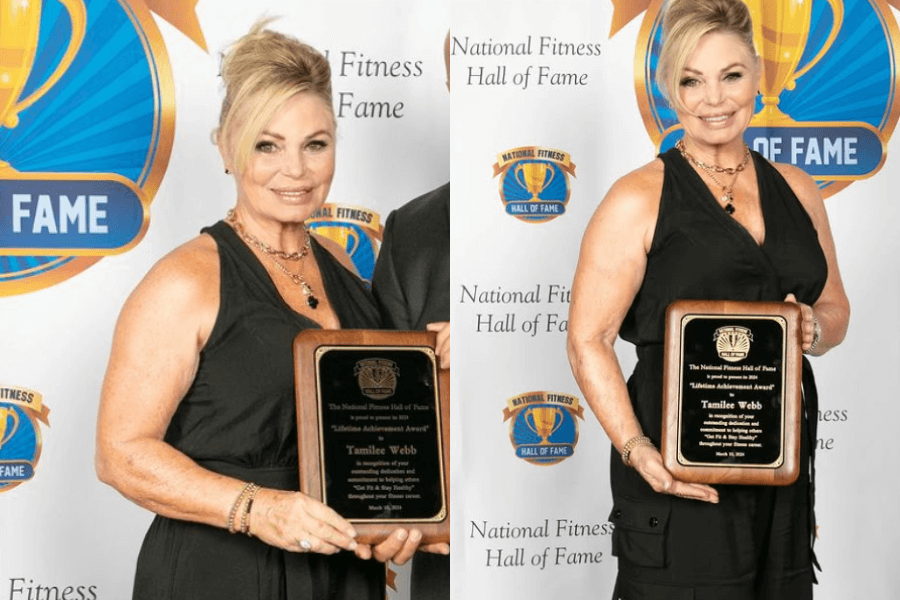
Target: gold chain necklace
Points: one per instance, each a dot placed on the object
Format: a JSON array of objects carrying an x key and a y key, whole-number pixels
[
  {"x": 727, "y": 193},
  {"x": 273, "y": 254}
]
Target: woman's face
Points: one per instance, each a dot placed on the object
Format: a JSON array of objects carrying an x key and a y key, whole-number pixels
[
  {"x": 718, "y": 88},
  {"x": 291, "y": 166}
]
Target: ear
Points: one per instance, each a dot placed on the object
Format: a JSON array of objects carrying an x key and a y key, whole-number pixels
[{"x": 227, "y": 158}]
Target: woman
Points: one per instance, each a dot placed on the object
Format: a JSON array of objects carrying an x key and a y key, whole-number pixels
[
  {"x": 706, "y": 220},
  {"x": 197, "y": 420}
]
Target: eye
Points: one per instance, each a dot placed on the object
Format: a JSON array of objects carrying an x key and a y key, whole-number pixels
[
  {"x": 688, "y": 82},
  {"x": 317, "y": 145},
  {"x": 265, "y": 146},
  {"x": 734, "y": 76}
]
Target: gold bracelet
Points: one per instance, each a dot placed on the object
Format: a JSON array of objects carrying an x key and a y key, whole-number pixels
[
  {"x": 235, "y": 506},
  {"x": 245, "y": 518},
  {"x": 638, "y": 440}
]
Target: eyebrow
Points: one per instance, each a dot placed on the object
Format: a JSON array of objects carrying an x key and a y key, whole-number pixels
[
  {"x": 728, "y": 68},
  {"x": 280, "y": 137}
]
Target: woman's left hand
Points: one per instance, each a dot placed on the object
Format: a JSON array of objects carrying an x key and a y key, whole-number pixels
[
  {"x": 399, "y": 547},
  {"x": 808, "y": 324},
  {"x": 443, "y": 341}
]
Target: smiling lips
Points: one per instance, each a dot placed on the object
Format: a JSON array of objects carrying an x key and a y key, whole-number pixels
[
  {"x": 293, "y": 193},
  {"x": 716, "y": 119}
]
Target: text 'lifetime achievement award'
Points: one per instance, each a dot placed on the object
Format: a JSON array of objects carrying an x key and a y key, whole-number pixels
[
  {"x": 373, "y": 430},
  {"x": 732, "y": 398}
]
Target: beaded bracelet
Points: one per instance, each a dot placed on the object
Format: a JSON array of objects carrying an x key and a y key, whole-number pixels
[
  {"x": 235, "y": 506},
  {"x": 245, "y": 518},
  {"x": 638, "y": 440}
]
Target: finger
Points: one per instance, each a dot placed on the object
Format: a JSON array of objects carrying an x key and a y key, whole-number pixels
[
  {"x": 790, "y": 298},
  {"x": 695, "y": 491},
  {"x": 436, "y": 548},
  {"x": 386, "y": 550},
  {"x": 332, "y": 536},
  {"x": 363, "y": 551},
  {"x": 437, "y": 325},
  {"x": 325, "y": 515},
  {"x": 406, "y": 552},
  {"x": 310, "y": 543}
]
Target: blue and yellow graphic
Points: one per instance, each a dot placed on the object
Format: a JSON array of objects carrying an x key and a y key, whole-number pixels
[
  {"x": 87, "y": 117},
  {"x": 543, "y": 426},
  {"x": 358, "y": 230},
  {"x": 828, "y": 101},
  {"x": 20, "y": 434},
  {"x": 534, "y": 182}
]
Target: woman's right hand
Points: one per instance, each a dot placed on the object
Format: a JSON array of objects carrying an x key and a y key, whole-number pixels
[
  {"x": 648, "y": 462},
  {"x": 291, "y": 520}
]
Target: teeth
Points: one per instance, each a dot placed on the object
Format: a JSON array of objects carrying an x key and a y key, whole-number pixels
[{"x": 715, "y": 119}]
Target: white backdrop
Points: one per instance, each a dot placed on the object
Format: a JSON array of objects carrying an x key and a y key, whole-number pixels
[
  {"x": 599, "y": 124},
  {"x": 63, "y": 528}
]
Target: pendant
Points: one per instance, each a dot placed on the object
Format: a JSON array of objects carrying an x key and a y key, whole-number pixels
[
  {"x": 311, "y": 300},
  {"x": 729, "y": 208}
]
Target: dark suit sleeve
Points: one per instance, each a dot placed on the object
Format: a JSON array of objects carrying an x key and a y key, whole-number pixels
[{"x": 386, "y": 285}]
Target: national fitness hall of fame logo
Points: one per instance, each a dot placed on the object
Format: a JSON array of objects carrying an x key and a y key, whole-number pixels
[
  {"x": 543, "y": 427},
  {"x": 356, "y": 229},
  {"x": 828, "y": 101},
  {"x": 20, "y": 434},
  {"x": 87, "y": 116},
  {"x": 534, "y": 182}
]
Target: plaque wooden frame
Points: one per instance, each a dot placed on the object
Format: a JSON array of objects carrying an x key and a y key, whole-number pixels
[
  {"x": 785, "y": 468},
  {"x": 309, "y": 421}
]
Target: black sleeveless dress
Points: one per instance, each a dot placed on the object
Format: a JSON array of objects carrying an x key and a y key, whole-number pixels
[
  {"x": 756, "y": 542},
  {"x": 239, "y": 419}
]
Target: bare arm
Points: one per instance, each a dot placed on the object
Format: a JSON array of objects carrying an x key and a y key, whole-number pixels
[
  {"x": 154, "y": 358},
  {"x": 610, "y": 270},
  {"x": 832, "y": 308}
]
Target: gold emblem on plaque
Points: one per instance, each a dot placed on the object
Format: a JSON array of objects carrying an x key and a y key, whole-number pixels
[
  {"x": 377, "y": 377},
  {"x": 732, "y": 343}
]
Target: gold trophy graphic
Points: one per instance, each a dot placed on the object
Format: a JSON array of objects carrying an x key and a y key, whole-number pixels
[
  {"x": 7, "y": 431},
  {"x": 346, "y": 237},
  {"x": 533, "y": 177},
  {"x": 543, "y": 421},
  {"x": 19, "y": 27},
  {"x": 781, "y": 31}
]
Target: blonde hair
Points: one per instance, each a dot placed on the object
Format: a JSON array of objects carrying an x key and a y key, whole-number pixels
[
  {"x": 685, "y": 22},
  {"x": 261, "y": 71}
]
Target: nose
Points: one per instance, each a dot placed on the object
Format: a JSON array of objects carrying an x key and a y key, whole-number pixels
[
  {"x": 714, "y": 93},
  {"x": 294, "y": 164}
]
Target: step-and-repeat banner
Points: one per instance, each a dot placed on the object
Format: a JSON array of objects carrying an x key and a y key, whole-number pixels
[
  {"x": 106, "y": 164},
  {"x": 552, "y": 102}
]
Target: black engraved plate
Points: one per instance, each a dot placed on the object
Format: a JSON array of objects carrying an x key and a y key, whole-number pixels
[
  {"x": 380, "y": 426},
  {"x": 732, "y": 392}
]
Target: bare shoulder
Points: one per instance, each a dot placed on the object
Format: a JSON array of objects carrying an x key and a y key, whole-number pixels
[
  {"x": 337, "y": 251},
  {"x": 640, "y": 189},
  {"x": 802, "y": 184},
  {"x": 183, "y": 286}
]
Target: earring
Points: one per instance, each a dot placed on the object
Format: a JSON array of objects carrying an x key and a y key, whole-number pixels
[{"x": 227, "y": 172}]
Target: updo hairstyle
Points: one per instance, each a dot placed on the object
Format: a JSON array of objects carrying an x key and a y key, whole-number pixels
[
  {"x": 261, "y": 71},
  {"x": 685, "y": 22}
]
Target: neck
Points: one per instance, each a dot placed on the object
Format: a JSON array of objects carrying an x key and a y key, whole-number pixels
[
  {"x": 724, "y": 155},
  {"x": 286, "y": 237}
]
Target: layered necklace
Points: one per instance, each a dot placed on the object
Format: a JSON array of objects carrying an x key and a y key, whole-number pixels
[
  {"x": 711, "y": 170},
  {"x": 274, "y": 255}
]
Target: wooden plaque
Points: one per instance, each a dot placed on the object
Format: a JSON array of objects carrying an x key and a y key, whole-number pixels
[
  {"x": 732, "y": 392},
  {"x": 373, "y": 427}
]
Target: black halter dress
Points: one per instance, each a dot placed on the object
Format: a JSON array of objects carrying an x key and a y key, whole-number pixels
[
  {"x": 756, "y": 542},
  {"x": 239, "y": 419}
]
